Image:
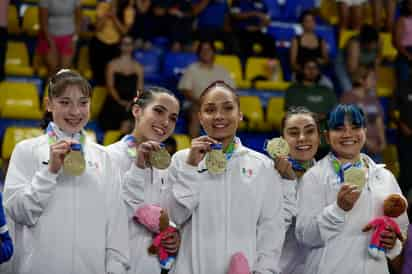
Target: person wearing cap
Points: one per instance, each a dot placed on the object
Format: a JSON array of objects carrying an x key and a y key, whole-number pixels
[{"x": 155, "y": 112}]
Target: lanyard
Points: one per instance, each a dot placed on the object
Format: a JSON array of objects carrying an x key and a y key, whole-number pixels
[
  {"x": 131, "y": 143},
  {"x": 54, "y": 134},
  {"x": 340, "y": 168},
  {"x": 300, "y": 166}
]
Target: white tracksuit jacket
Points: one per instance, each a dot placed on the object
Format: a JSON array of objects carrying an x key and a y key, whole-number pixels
[
  {"x": 239, "y": 210},
  {"x": 65, "y": 224},
  {"x": 335, "y": 238}
]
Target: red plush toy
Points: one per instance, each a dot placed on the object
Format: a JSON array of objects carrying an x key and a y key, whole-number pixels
[
  {"x": 156, "y": 220},
  {"x": 393, "y": 206}
]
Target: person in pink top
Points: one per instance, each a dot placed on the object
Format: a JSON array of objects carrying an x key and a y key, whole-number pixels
[{"x": 403, "y": 40}]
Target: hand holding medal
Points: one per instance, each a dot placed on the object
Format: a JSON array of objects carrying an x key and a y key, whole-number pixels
[
  {"x": 216, "y": 160},
  {"x": 200, "y": 146},
  {"x": 58, "y": 152},
  {"x": 74, "y": 163},
  {"x": 277, "y": 147},
  {"x": 355, "y": 176},
  {"x": 153, "y": 154}
]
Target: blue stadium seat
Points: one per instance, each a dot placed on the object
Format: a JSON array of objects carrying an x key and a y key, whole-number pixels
[
  {"x": 294, "y": 8},
  {"x": 175, "y": 63},
  {"x": 328, "y": 35},
  {"x": 274, "y": 8},
  {"x": 150, "y": 60}
]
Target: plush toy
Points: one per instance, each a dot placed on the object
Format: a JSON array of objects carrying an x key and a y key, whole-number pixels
[
  {"x": 156, "y": 220},
  {"x": 238, "y": 264},
  {"x": 393, "y": 206}
]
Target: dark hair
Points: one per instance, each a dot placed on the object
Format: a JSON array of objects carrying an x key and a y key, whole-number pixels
[
  {"x": 146, "y": 96},
  {"x": 336, "y": 117},
  {"x": 221, "y": 84},
  {"x": 296, "y": 111},
  {"x": 309, "y": 12},
  {"x": 300, "y": 76},
  {"x": 368, "y": 34},
  {"x": 58, "y": 84},
  {"x": 121, "y": 5},
  {"x": 404, "y": 8},
  {"x": 202, "y": 44},
  {"x": 360, "y": 74}
]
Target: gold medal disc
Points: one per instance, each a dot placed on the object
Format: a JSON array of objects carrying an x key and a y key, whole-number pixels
[
  {"x": 216, "y": 162},
  {"x": 277, "y": 147},
  {"x": 74, "y": 164},
  {"x": 160, "y": 159},
  {"x": 355, "y": 176}
]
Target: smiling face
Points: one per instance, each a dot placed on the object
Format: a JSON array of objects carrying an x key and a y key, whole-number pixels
[
  {"x": 157, "y": 120},
  {"x": 347, "y": 140},
  {"x": 220, "y": 113},
  {"x": 70, "y": 110},
  {"x": 302, "y": 135}
]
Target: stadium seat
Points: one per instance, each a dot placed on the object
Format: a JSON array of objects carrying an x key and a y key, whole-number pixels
[
  {"x": 31, "y": 20},
  {"x": 83, "y": 65},
  {"x": 182, "y": 141},
  {"x": 13, "y": 135},
  {"x": 275, "y": 112},
  {"x": 329, "y": 11},
  {"x": 388, "y": 50},
  {"x": 98, "y": 97},
  {"x": 175, "y": 63},
  {"x": 150, "y": 60},
  {"x": 232, "y": 64},
  {"x": 19, "y": 101},
  {"x": 252, "y": 110},
  {"x": 344, "y": 37},
  {"x": 328, "y": 34},
  {"x": 390, "y": 158},
  {"x": 386, "y": 81},
  {"x": 13, "y": 26},
  {"x": 17, "y": 60},
  {"x": 89, "y": 3},
  {"x": 258, "y": 67},
  {"x": 111, "y": 136}
]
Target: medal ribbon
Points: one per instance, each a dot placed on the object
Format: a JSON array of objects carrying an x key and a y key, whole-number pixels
[
  {"x": 54, "y": 134},
  {"x": 340, "y": 168},
  {"x": 231, "y": 149},
  {"x": 131, "y": 143},
  {"x": 300, "y": 166}
]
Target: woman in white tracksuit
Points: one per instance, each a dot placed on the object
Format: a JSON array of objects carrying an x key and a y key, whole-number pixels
[
  {"x": 332, "y": 212},
  {"x": 300, "y": 130},
  {"x": 155, "y": 111},
  {"x": 238, "y": 210},
  {"x": 66, "y": 224}
]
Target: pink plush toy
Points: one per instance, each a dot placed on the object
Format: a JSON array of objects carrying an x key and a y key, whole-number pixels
[
  {"x": 238, "y": 264},
  {"x": 155, "y": 219},
  {"x": 393, "y": 206}
]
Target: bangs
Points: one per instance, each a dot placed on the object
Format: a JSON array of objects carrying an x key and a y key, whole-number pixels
[{"x": 351, "y": 113}]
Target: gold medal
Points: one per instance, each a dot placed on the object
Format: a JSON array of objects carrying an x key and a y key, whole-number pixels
[
  {"x": 74, "y": 163},
  {"x": 160, "y": 159},
  {"x": 355, "y": 176},
  {"x": 277, "y": 147},
  {"x": 216, "y": 160}
]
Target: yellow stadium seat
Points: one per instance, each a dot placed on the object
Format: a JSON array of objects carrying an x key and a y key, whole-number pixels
[
  {"x": 182, "y": 141},
  {"x": 17, "y": 59},
  {"x": 258, "y": 66},
  {"x": 31, "y": 20},
  {"x": 111, "y": 136},
  {"x": 98, "y": 97},
  {"x": 275, "y": 112},
  {"x": 344, "y": 37},
  {"x": 89, "y": 3},
  {"x": 232, "y": 64},
  {"x": 19, "y": 101},
  {"x": 329, "y": 11},
  {"x": 83, "y": 65},
  {"x": 89, "y": 17},
  {"x": 390, "y": 158},
  {"x": 13, "y": 25},
  {"x": 386, "y": 81},
  {"x": 13, "y": 135},
  {"x": 252, "y": 110},
  {"x": 389, "y": 52}
]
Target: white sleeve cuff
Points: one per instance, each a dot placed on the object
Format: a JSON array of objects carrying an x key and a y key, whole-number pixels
[
  {"x": 395, "y": 251},
  {"x": 46, "y": 174},
  {"x": 337, "y": 212}
]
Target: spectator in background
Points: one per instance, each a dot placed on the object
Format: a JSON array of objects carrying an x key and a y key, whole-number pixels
[
  {"x": 403, "y": 98},
  {"x": 3, "y": 36},
  {"x": 403, "y": 41},
  {"x": 196, "y": 78},
  {"x": 364, "y": 96},
  {"x": 307, "y": 92},
  {"x": 378, "y": 11},
  {"x": 181, "y": 25},
  {"x": 309, "y": 45},
  {"x": 250, "y": 21},
  {"x": 124, "y": 76},
  {"x": 59, "y": 31},
  {"x": 350, "y": 14},
  {"x": 364, "y": 49},
  {"x": 141, "y": 30},
  {"x": 114, "y": 19}
]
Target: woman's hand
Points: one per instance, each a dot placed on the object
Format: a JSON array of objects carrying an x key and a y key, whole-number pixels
[
  {"x": 171, "y": 242},
  {"x": 200, "y": 146},
  {"x": 388, "y": 238},
  {"x": 58, "y": 151},
  {"x": 347, "y": 196},
  {"x": 284, "y": 167},
  {"x": 143, "y": 153}
]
